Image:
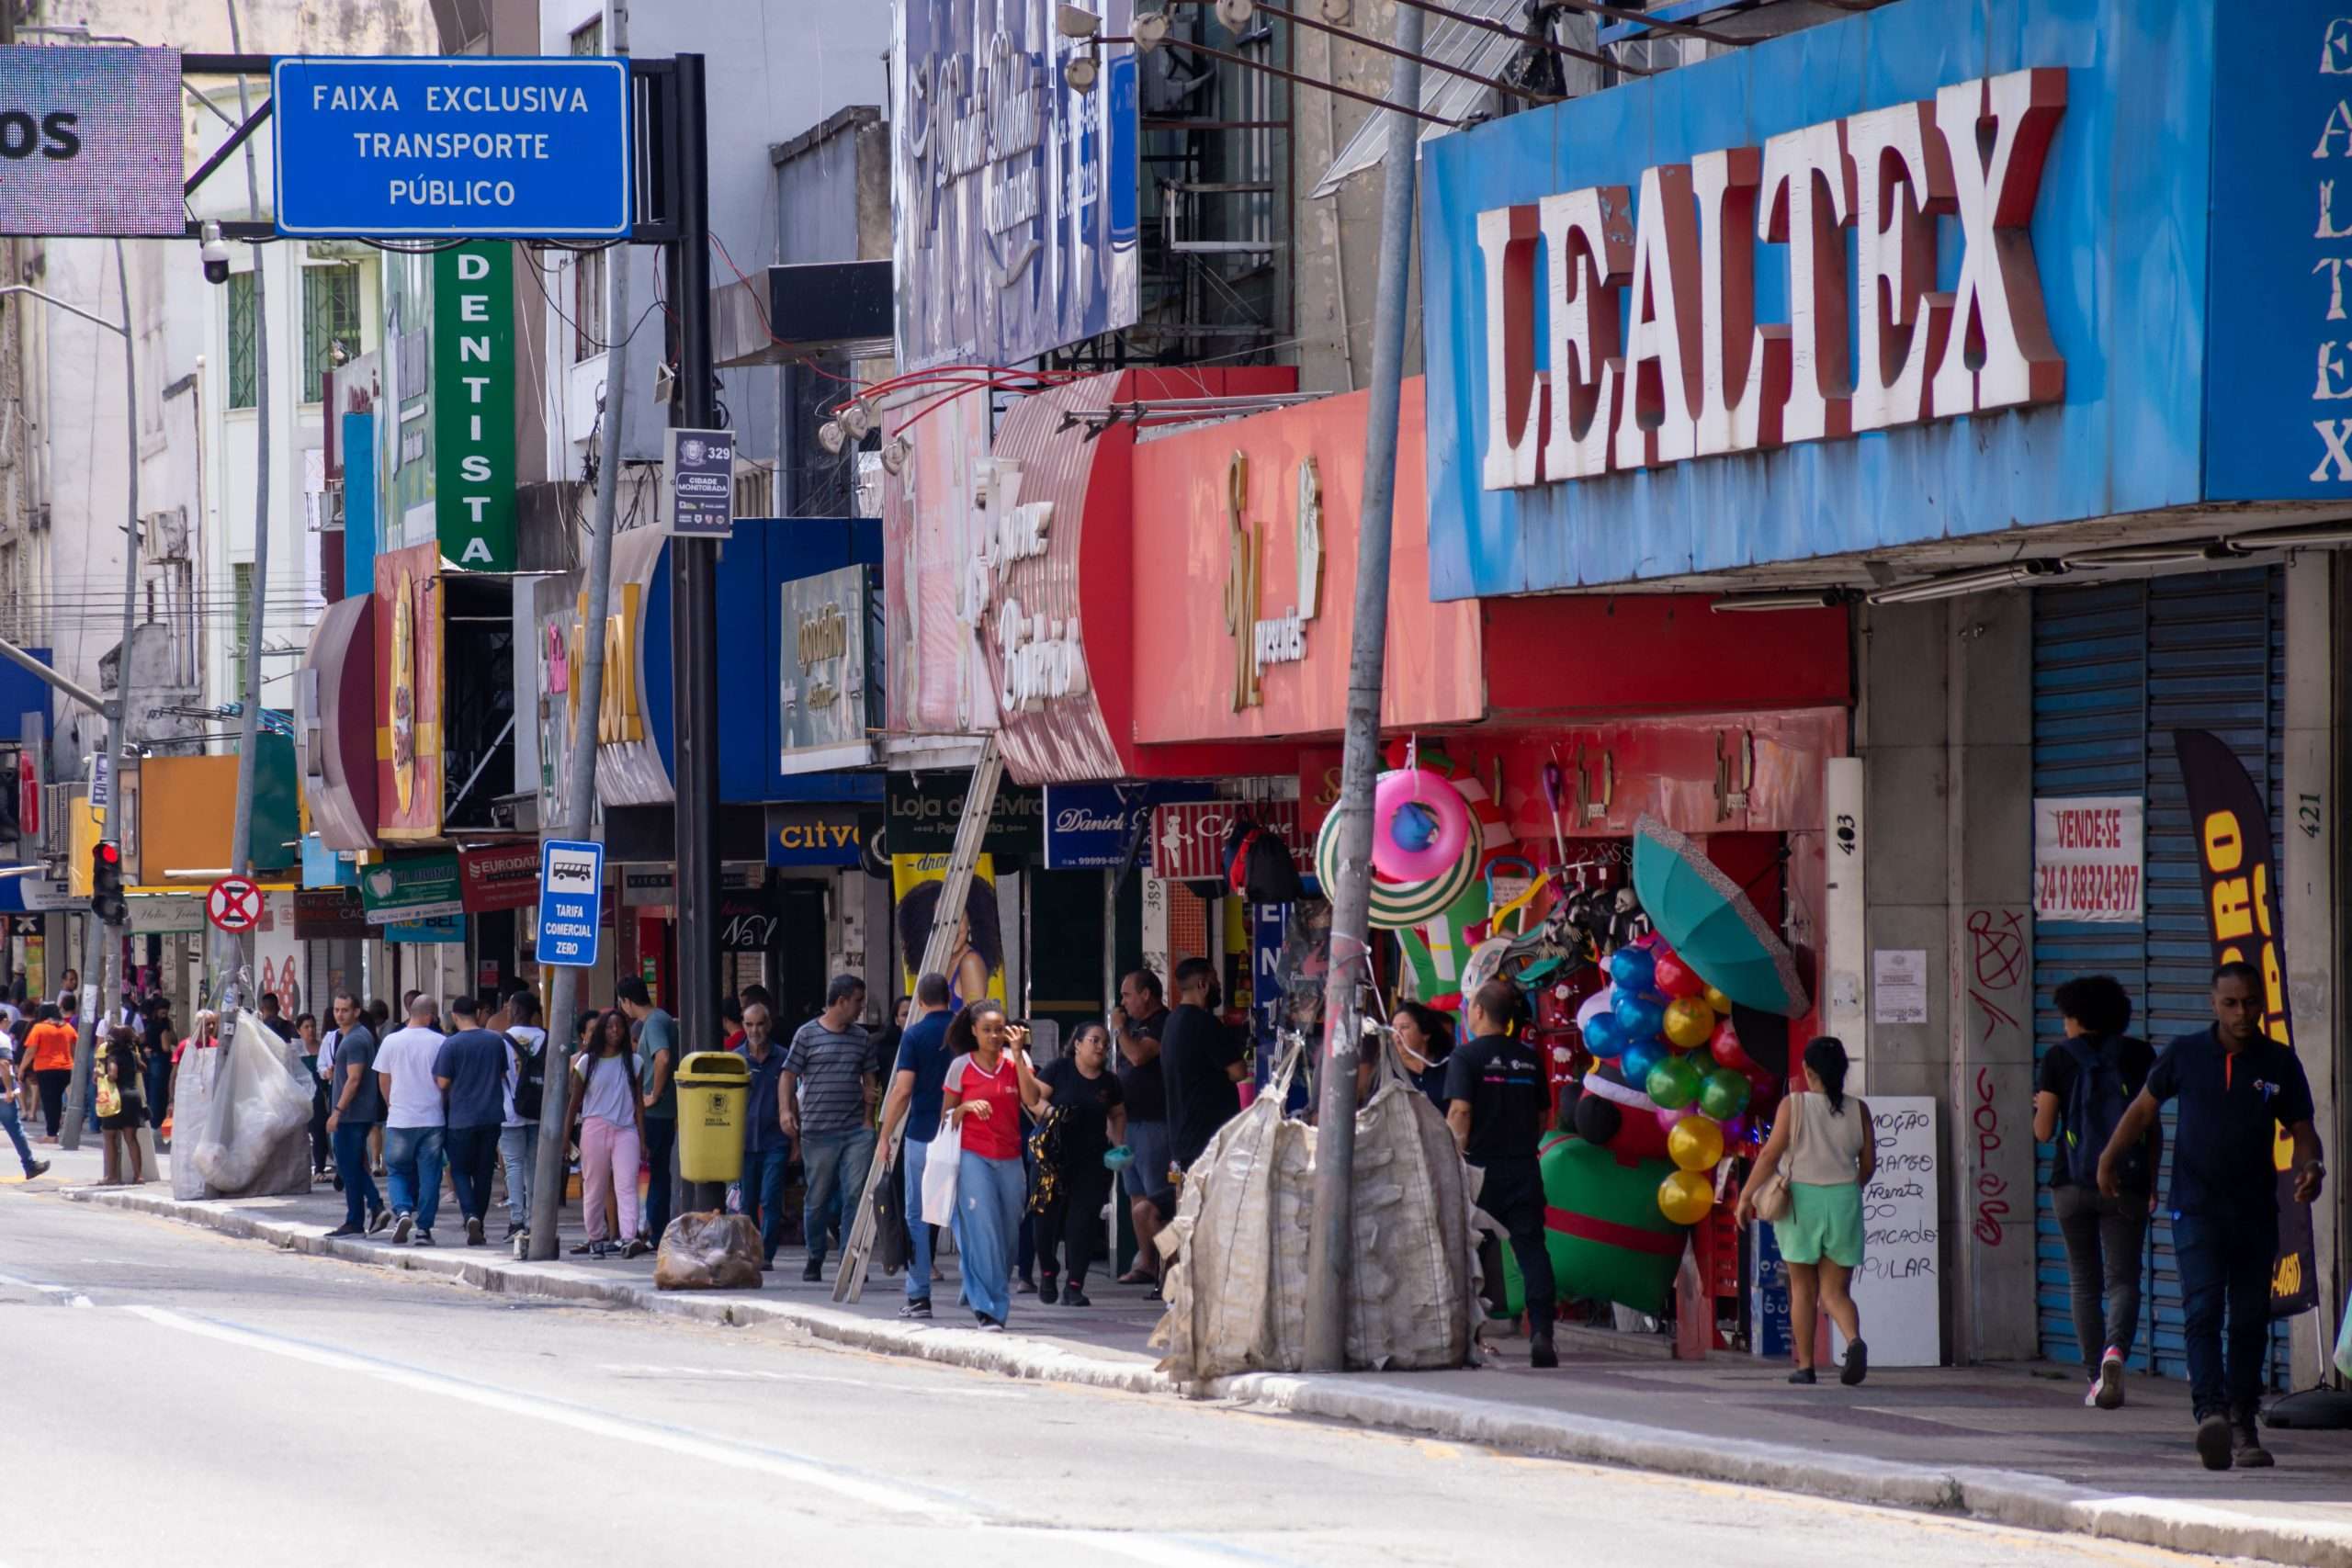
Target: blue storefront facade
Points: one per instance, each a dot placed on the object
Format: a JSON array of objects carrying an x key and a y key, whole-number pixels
[{"x": 2019, "y": 329}]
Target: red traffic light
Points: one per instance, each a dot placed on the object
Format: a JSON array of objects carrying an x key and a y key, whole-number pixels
[{"x": 108, "y": 854}]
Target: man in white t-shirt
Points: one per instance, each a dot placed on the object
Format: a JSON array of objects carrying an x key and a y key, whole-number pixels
[{"x": 415, "y": 1120}]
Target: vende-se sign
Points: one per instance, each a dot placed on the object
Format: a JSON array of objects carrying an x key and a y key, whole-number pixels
[
  {"x": 2087, "y": 858},
  {"x": 1655, "y": 352}
]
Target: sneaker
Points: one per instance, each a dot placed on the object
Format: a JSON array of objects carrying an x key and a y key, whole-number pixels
[
  {"x": 346, "y": 1230},
  {"x": 2090, "y": 1396},
  {"x": 513, "y": 1230},
  {"x": 423, "y": 1238},
  {"x": 980, "y": 1319},
  {"x": 1542, "y": 1353},
  {"x": 636, "y": 1247},
  {"x": 377, "y": 1221},
  {"x": 1025, "y": 1286},
  {"x": 401, "y": 1229},
  {"x": 1050, "y": 1291},
  {"x": 38, "y": 1168},
  {"x": 813, "y": 1271},
  {"x": 920, "y": 1308},
  {"x": 1074, "y": 1297},
  {"x": 2107, "y": 1388},
  {"x": 474, "y": 1236},
  {"x": 988, "y": 1324},
  {"x": 1857, "y": 1364},
  {"x": 1803, "y": 1375},
  {"x": 2214, "y": 1441},
  {"x": 586, "y": 1249},
  {"x": 2246, "y": 1447},
  {"x": 601, "y": 1249}
]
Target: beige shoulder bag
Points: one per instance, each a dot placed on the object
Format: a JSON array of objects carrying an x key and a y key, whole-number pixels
[{"x": 1773, "y": 1200}]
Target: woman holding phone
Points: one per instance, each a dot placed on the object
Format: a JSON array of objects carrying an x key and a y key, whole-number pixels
[{"x": 988, "y": 1084}]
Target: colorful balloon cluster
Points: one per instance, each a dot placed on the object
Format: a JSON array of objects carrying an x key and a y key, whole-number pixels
[{"x": 1670, "y": 1034}]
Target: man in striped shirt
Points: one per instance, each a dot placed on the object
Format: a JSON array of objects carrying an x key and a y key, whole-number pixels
[{"x": 826, "y": 1098}]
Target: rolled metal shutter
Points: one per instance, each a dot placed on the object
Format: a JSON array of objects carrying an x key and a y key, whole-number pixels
[{"x": 2116, "y": 669}]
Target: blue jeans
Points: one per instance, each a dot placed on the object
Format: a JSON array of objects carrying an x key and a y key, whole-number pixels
[
  {"x": 412, "y": 1161},
  {"x": 989, "y": 1195},
  {"x": 2224, "y": 1262},
  {"x": 835, "y": 1166},
  {"x": 361, "y": 1200},
  {"x": 918, "y": 1225},
  {"x": 15, "y": 1123},
  {"x": 519, "y": 1147},
  {"x": 763, "y": 1174}
]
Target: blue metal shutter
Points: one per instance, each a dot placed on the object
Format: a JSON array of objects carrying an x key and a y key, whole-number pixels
[{"x": 2209, "y": 654}]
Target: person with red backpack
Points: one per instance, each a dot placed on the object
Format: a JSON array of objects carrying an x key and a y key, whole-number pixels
[{"x": 2088, "y": 1081}]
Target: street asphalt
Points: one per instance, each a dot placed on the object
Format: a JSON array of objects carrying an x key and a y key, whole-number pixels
[{"x": 194, "y": 1399}]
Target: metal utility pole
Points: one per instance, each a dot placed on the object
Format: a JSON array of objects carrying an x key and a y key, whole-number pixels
[
  {"x": 1330, "y": 1243},
  {"x": 694, "y": 580},
  {"x": 580, "y": 772},
  {"x": 241, "y": 849},
  {"x": 104, "y": 940}
]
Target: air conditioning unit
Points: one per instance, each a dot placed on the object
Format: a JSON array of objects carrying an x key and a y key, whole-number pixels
[
  {"x": 57, "y": 804},
  {"x": 166, "y": 535},
  {"x": 37, "y": 520}
]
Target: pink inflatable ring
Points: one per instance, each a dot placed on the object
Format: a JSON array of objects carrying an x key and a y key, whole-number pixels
[{"x": 1418, "y": 788}]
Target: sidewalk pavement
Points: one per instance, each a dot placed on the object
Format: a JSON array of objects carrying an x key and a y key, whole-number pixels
[{"x": 2009, "y": 1443}]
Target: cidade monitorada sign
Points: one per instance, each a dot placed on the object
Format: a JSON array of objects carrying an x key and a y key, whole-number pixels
[{"x": 1655, "y": 354}]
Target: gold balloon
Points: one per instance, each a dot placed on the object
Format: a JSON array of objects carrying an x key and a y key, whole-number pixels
[
  {"x": 1696, "y": 1144},
  {"x": 1690, "y": 1024},
  {"x": 1717, "y": 1001},
  {"x": 1686, "y": 1197}
]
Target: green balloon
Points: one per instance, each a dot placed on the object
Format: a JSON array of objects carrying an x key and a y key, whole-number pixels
[
  {"x": 1723, "y": 1094},
  {"x": 1673, "y": 1083}
]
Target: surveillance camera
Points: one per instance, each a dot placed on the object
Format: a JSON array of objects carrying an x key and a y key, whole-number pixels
[{"x": 215, "y": 256}]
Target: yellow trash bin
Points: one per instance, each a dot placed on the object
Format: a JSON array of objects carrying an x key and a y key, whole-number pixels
[{"x": 714, "y": 1095}]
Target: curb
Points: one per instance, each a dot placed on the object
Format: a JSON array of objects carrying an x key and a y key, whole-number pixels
[{"x": 1995, "y": 1497}]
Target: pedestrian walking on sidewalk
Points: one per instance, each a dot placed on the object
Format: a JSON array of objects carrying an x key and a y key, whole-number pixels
[
  {"x": 767, "y": 1148},
  {"x": 1823, "y": 1136},
  {"x": 608, "y": 1120},
  {"x": 10, "y": 1119},
  {"x": 357, "y": 1111},
  {"x": 826, "y": 1100},
  {"x": 161, "y": 1037},
  {"x": 518, "y": 1139},
  {"x": 416, "y": 1121},
  {"x": 2233, "y": 1084},
  {"x": 1138, "y": 1021},
  {"x": 49, "y": 1049},
  {"x": 2088, "y": 1081},
  {"x": 306, "y": 1033},
  {"x": 917, "y": 1079},
  {"x": 987, "y": 1083},
  {"x": 656, "y": 1036},
  {"x": 120, "y": 1097},
  {"x": 1089, "y": 1120},
  {"x": 1498, "y": 1103},
  {"x": 470, "y": 1067}
]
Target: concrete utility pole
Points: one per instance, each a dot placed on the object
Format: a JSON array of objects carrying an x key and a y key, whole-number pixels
[
  {"x": 232, "y": 949},
  {"x": 580, "y": 772},
  {"x": 1330, "y": 1244}
]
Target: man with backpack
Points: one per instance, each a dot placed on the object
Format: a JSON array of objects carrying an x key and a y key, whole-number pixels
[
  {"x": 518, "y": 1139},
  {"x": 2088, "y": 1081}
]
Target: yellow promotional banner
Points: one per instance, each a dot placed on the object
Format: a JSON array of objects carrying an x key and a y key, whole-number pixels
[{"x": 976, "y": 964}]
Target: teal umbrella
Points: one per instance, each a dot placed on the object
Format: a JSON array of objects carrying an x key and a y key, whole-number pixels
[{"x": 1707, "y": 918}]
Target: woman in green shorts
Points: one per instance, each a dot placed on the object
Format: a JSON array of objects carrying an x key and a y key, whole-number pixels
[{"x": 1825, "y": 1137}]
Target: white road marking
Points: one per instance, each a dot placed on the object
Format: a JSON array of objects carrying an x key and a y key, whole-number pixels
[
  {"x": 744, "y": 1374},
  {"x": 72, "y": 1298}
]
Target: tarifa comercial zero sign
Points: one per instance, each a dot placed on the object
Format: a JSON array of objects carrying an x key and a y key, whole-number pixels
[{"x": 1655, "y": 354}]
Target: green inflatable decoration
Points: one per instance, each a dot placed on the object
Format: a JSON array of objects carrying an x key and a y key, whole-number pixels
[{"x": 1607, "y": 1240}]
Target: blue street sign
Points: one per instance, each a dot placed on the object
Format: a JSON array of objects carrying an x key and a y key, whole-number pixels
[
  {"x": 571, "y": 895},
  {"x": 452, "y": 147}
]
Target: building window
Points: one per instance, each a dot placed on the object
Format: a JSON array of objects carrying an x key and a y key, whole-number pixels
[
  {"x": 330, "y": 317},
  {"x": 590, "y": 40},
  {"x": 241, "y": 593},
  {"x": 245, "y": 368},
  {"x": 587, "y": 305}
]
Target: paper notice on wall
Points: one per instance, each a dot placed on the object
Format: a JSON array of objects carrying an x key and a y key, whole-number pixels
[
  {"x": 1899, "y": 985},
  {"x": 2087, "y": 858}
]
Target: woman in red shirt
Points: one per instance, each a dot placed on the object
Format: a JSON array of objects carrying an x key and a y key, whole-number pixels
[{"x": 987, "y": 1083}]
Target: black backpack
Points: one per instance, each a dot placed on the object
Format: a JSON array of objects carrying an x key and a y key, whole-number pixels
[
  {"x": 530, "y": 1085},
  {"x": 2094, "y": 1107},
  {"x": 1257, "y": 864}
]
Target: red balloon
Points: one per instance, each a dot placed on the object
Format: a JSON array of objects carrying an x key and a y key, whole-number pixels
[
  {"x": 1675, "y": 979},
  {"x": 1726, "y": 1049}
]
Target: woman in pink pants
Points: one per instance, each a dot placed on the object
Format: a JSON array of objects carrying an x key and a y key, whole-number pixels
[{"x": 609, "y": 1118}]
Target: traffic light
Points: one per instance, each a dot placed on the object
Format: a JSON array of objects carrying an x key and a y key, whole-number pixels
[{"x": 105, "y": 884}]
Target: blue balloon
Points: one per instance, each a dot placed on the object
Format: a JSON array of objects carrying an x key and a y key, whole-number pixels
[
  {"x": 1633, "y": 968},
  {"x": 1638, "y": 1058},
  {"x": 1639, "y": 1018},
  {"x": 1603, "y": 1037},
  {"x": 1413, "y": 826}
]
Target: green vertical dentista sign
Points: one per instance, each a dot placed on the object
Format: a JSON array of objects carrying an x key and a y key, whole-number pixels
[{"x": 473, "y": 405}]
